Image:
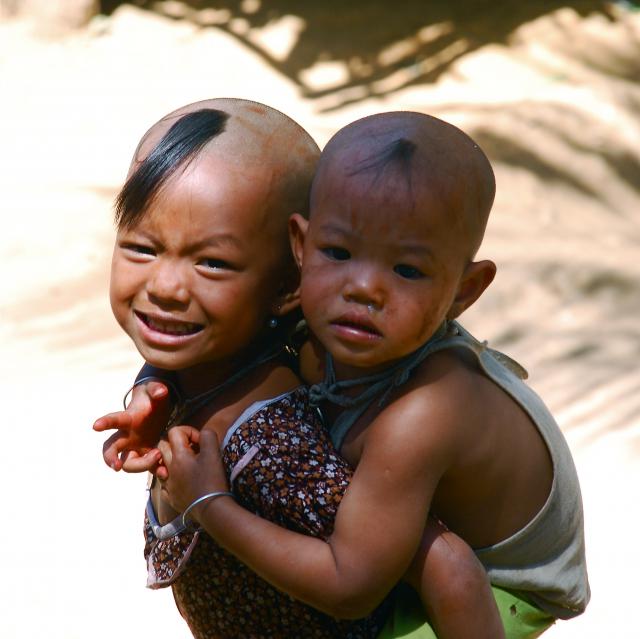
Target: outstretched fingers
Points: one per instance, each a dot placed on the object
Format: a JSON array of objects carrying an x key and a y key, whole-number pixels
[{"x": 118, "y": 420}]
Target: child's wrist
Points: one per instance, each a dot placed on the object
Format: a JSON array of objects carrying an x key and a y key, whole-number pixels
[{"x": 197, "y": 507}]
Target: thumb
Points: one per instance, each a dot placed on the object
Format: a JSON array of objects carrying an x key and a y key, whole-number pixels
[
  {"x": 157, "y": 390},
  {"x": 209, "y": 441}
]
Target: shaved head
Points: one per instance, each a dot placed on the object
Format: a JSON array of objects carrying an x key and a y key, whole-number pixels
[
  {"x": 246, "y": 135},
  {"x": 423, "y": 156}
]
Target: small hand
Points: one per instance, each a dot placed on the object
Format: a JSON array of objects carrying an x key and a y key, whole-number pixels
[
  {"x": 194, "y": 465},
  {"x": 138, "y": 428}
]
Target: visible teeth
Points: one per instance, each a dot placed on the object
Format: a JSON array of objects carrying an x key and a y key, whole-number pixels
[{"x": 172, "y": 328}]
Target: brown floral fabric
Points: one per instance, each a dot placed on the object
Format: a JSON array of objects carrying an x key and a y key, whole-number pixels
[{"x": 295, "y": 479}]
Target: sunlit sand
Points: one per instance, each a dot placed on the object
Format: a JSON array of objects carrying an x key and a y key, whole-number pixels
[{"x": 557, "y": 111}]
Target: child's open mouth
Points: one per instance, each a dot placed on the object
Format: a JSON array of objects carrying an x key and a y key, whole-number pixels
[{"x": 168, "y": 327}]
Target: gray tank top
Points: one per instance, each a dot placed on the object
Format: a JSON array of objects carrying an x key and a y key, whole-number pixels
[{"x": 545, "y": 560}]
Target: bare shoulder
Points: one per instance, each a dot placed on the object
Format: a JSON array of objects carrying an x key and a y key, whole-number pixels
[
  {"x": 421, "y": 419},
  {"x": 433, "y": 413},
  {"x": 483, "y": 453},
  {"x": 443, "y": 390}
]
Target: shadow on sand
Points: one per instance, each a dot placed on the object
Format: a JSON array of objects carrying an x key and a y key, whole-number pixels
[{"x": 375, "y": 47}]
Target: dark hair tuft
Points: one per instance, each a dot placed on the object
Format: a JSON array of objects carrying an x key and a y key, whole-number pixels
[
  {"x": 179, "y": 145},
  {"x": 399, "y": 153}
]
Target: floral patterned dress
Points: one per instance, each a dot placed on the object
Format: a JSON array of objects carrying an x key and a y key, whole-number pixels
[{"x": 284, "y": 468}]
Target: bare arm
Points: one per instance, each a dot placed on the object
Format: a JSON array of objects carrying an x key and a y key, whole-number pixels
[{"x": 377, "y": 530}]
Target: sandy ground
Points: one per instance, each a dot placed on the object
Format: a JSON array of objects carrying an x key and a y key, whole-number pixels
[{"x": 556, "y": 109}]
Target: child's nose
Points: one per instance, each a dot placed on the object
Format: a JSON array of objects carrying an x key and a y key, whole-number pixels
[
  {"x": 365, "y": 286},
  {"x": 167, "y": 285}
]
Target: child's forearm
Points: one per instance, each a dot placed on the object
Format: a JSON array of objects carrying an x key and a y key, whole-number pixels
[
  {"x": 309, "y": 569},
  {"x": 378, "y": 524}
]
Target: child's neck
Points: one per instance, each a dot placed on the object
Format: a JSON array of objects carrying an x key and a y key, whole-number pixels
[
  {"x": 219, "y": 386},
  {"x": 346, "y": 373},
  {"x": 205, "y": 376},
  {"x": 202, "y": 377},
  {"x": 354, "y": 396}
]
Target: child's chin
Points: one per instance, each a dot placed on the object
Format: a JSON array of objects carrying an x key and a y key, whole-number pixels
[
  {"x": 359, "y": 365},
  {"x": 166, "y": 361}
]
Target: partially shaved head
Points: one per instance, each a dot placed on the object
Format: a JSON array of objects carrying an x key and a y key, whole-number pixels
[
  {"x": 246, "y": 134},
  {"x": 421, "y": 156}
]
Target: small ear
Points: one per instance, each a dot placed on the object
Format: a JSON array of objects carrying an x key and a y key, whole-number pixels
[
  {"x": 297, "y": 232},
  {"x": 288, "y": 300},
  {"x": 288, "y": 295},
  {"x": 475, "y": 279}
]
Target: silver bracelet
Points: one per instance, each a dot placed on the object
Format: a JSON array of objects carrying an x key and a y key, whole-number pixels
[{"x": 195, "y": 502}]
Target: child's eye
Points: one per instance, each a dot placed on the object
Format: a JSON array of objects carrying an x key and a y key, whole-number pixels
[
  {"x": 336, "y": 253},
  {"x": 140, "y": 249},
  {"x": 408, "y": 272},
  {"x": 215, "y": 264}
]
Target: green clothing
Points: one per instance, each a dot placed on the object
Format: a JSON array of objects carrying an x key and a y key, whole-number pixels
[{"x": 521, "y": 619}]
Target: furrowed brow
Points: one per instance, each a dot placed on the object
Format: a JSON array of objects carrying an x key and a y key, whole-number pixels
[{"x": 214, "y": 241}]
